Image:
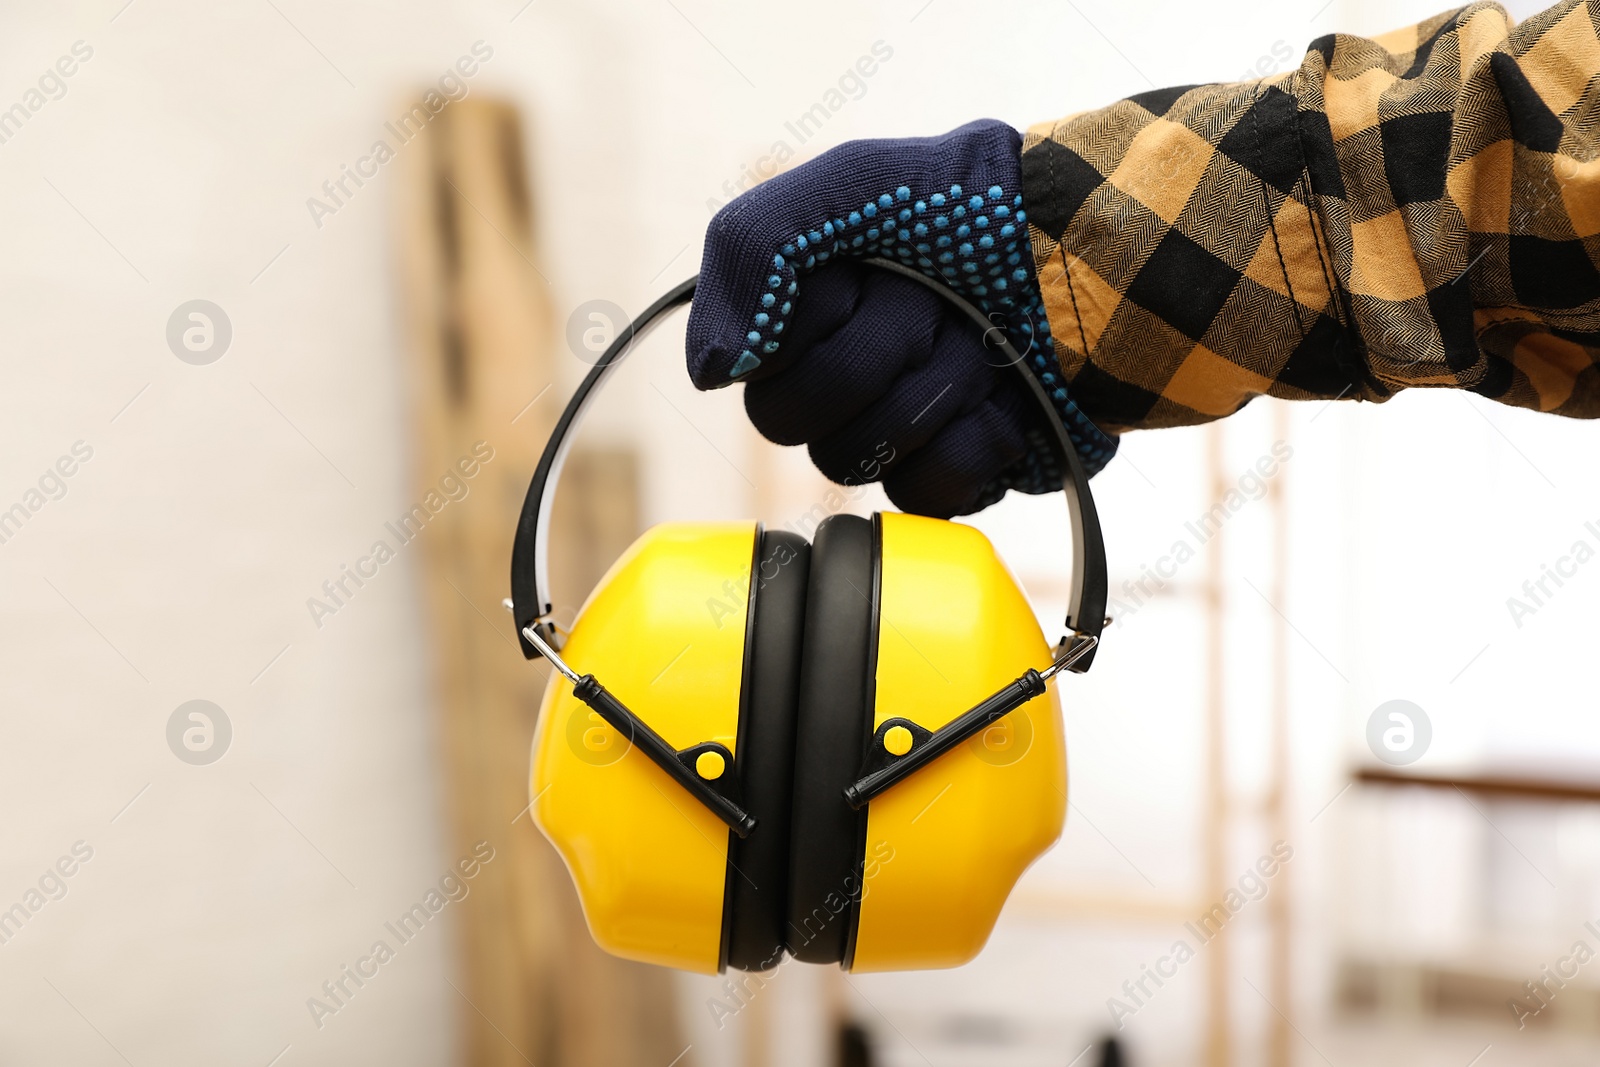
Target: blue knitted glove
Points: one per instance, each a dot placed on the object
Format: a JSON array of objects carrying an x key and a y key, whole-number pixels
[{"x": 881, "y": 378}]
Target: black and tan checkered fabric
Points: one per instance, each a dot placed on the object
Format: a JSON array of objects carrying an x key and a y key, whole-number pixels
[{"x": 1419, "y": 209}]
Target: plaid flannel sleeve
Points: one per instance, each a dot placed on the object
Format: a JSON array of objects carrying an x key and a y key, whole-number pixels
[{"x": 1418, "y": 209}]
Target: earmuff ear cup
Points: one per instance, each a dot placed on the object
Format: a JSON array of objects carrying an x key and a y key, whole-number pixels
[
  {"x": 833, "y": 727},
  {"x": 758, "y": 866}
]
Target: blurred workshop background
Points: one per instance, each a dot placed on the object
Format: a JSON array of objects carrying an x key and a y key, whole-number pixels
[{"x": 243, "y": 343}]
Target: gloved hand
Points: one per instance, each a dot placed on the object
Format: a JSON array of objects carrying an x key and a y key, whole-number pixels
[{"x": 880, "y": 377}]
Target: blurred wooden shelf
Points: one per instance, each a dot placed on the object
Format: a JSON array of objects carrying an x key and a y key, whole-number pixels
[{"x": 1507, "y": 785}]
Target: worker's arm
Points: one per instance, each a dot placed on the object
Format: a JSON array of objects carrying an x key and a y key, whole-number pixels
[{"x": 1418, "y": 209}]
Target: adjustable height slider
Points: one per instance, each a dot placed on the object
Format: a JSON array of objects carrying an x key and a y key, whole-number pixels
[
  {"x": 900, "y": 747},
  {"x": 705, "y": 770}
]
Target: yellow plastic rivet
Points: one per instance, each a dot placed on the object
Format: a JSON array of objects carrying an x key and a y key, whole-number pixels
[
  {"x": 710, "y": 765},
  {"x": 897, "y": 740}
]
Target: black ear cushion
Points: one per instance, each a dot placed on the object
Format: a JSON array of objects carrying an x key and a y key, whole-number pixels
[
  {"x": 837, "y": 666},
  {"x": 758, "y": 866}
]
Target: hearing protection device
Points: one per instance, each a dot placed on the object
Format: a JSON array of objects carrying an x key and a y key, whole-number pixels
[{"x": 846, "y": 750}]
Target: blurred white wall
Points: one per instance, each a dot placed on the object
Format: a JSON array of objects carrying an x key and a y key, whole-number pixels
[{"x": 218, "y": 498}]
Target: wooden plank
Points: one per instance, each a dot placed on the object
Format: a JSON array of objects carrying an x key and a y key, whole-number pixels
[
  {"x": 1218, "y": 1041},
  {"x": 1510, "y": 786},
  {"x": 533, "y": 987},
  {"x": 1280, "y": 926}
]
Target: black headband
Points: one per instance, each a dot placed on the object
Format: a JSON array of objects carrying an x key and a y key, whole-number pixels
[{"x": 530, "y": 572}]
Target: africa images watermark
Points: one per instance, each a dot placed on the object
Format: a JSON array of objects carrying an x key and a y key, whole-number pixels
[
  {"x": 736, "y": 591},
  {"x": 454, "y": 485},
  {"x": 52, "y": 885},
  {"x": 1270, "y": 63},
  {"x": 52, "y": 85},
  {"x": 453, "y": 887},
  {"x": 1540, "y": 993},
  {"x": 52, "y": 485},
  {"x": 851, "y": 85},
  {"x": 1399, "y": 732},
  {"x": 1249, "y": 486},
  {"x": 1251, "y": 888},
  {"x": 852, "y": 890},
  {"x": 1537, "y": 592},
  {"x": 199, "y": 732},
  {"x": 452, "y": 86},
  {"x": 1180, "y": 155}
]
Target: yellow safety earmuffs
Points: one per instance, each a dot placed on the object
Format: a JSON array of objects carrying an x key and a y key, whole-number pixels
[{"x": 840, "y": 753}]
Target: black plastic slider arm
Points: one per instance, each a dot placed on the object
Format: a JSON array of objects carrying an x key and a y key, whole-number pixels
[
  {"x": 941, "y": 741},
  {"x": 882, "y": 770},
  {"x": 588, "y": 689},
  {"x": 663, "y": 755}
]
